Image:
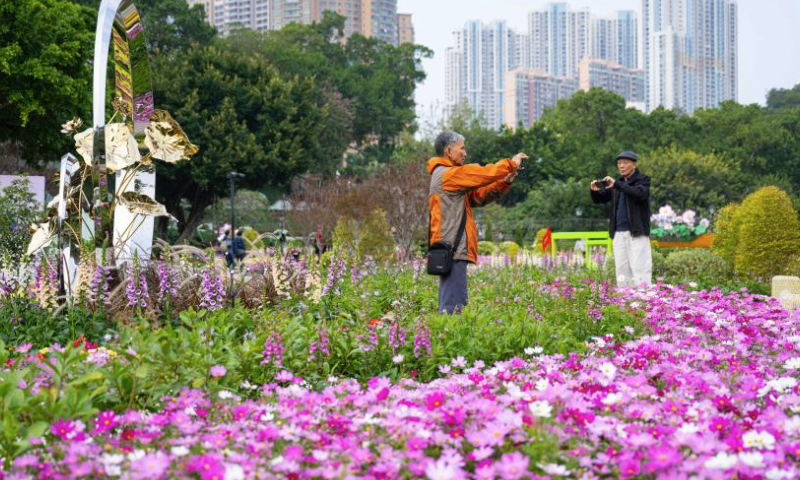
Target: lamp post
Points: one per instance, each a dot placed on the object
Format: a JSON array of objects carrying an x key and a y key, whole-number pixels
[{"x": 233, "y": 176}]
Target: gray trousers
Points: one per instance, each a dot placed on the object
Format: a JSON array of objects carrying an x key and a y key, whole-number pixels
[{"x": 453, "y": 288}]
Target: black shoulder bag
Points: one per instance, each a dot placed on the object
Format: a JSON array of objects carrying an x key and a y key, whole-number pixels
[{"x": 440, "y": 254}]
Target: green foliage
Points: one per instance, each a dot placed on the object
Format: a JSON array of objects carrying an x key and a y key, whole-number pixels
[
  {"x": 34, "y": 324},
  {"x": 18, "y": 212},
  {"x": 768, "y": 234},
  {"x": 697, "y": 264},
  {"x": 376, "y": 239},
  {"x": 486, "y": 247},
  {"x": 784, "y": 97},
  {"x": 45, "y": 78},
  {"x": 726, "y": 233},
  {"x": 688, "y": 180}
]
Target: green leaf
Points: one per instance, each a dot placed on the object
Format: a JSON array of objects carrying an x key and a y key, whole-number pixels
[{"x": 86, "y": 378}]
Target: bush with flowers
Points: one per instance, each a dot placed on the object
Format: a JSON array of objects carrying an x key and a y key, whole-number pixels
[{"x": 668, "y": 225}]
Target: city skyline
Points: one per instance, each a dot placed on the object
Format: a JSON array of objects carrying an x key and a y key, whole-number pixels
[
  {"x": 766, "y": 29},
  {"x": 507, "y": 77}
]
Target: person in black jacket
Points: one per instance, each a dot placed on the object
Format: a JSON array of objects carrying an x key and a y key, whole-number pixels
[{"x": 630, "y": 220}]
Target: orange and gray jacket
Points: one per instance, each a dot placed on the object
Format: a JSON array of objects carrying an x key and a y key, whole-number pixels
[{"x": 455, "y": 189}]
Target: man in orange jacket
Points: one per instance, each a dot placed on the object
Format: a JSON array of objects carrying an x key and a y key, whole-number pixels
[{"x": 456, "y": 188}]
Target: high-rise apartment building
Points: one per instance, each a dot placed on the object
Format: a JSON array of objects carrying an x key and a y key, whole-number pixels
[
  {"x": 559, "y": 39},
  {"x": 626, "y": 82},
  {"x": 227, "y": 15},
  {"x": 476, "y": 67},
  {"x": 371, "y": 18},
  {"x": 405, "y": 29},
  {"x": 615, "y": 39},
  {"x": 285, "y": 12},
  {"x": 530, "y": 92},
  {"x": 379, "y": 19},
  {"x": 690, "y": 53}
]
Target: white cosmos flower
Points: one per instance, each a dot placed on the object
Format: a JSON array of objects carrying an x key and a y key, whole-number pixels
[
  {"x": 541, "y": 409},
  {"x": 721, "y": 461}
]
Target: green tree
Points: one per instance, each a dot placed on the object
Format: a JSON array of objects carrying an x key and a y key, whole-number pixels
[
  {"x": 687, "y": 180},
  {"x": 784, "y": 97},
  {"x": 244, "y": 117},
  {"x": 377, "y": 77},
  {"x": 592, "y": 128},
  {"x": 45, "y": 78}
]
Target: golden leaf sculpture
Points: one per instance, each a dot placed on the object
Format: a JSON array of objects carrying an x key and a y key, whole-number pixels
[
  {"x": 121, "y": 148},
  {"x": 84, "y": 143},
  {"x": 43, "y": 236},
  {"x": 166, "y": 139},
  {"x": 142, "y": 205}
]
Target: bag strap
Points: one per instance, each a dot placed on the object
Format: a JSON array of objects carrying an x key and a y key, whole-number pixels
[{"x": 460, "y": 230}]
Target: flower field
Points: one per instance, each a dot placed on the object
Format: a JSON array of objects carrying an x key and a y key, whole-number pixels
[{"x": 543, "y": 376}]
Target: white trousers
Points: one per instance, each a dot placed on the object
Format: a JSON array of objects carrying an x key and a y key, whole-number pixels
[{"x": 633, "y": 259}]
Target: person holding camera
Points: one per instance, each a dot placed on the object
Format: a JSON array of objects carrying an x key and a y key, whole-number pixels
[
  {"x": 455, "y": 189},
  {"x": 630, "y": 220}
]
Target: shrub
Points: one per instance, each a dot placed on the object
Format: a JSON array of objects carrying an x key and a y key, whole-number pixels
[
  {"x": 345, "y": 236},
  {"x": 509, "y": 248},
  {"x": 768, "y": 233},
  {"x": 250, "y": 235},
  {"x": 17, "y": 212},
  {"x": 376, "y": 238},
  {"x": 486, "y": 248},
  {"x": 725, "y": 233},
  {"x": 697, "y": 264}
]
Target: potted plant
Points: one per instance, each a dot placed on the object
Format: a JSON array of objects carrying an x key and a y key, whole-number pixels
[{"x": 671, "y": 227}]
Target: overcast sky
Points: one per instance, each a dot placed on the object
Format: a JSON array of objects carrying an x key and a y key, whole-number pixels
[{"x": 769, "y": 37}]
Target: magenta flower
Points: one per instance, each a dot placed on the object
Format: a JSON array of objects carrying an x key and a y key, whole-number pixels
[
  {"x": 435, "y": 400},
  {"x": 719, "y": 425},
  {"x": 629, "y": 467},
  {"x": 513, "y": 466},
  {"x": 66, "y": 430},
  {"x": 105, "y": 421},
  {"x": 218, "y": 371}
]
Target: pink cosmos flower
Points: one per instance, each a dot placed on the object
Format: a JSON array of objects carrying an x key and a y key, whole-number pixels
[
  {"x": 435, "y": 400},
  {"x": 105, "y": 421},
  {"x": 218, "y": 371},
  {"x": 662, "y": 458},
  {"x": 513, "y": 466},
  {"x": 208, "y": 466},
  {"x": 151, "y": 466}
]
